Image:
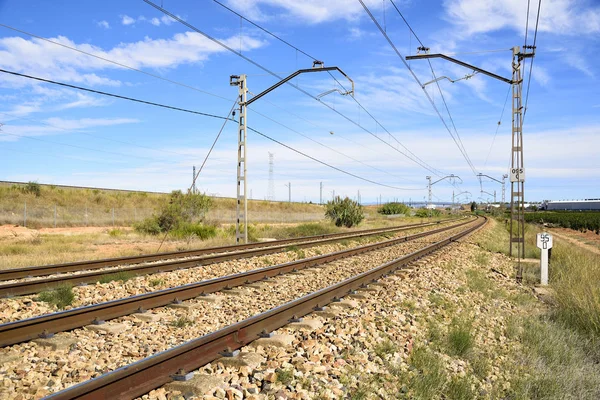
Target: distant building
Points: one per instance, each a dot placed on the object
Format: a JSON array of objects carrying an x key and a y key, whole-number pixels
[{"x": 573, "y": 205}]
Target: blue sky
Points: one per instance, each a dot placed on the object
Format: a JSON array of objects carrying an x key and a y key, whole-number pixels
[{"x": 57, "y": 135}]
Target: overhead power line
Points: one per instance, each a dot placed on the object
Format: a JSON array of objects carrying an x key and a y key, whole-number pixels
[
  {"x": 114, "y": 62},
  {"x": 197, "y": 113},
  {"x": 326, "y": 164},
  {"x": 179, "y": 84},
  {"x": 498, "y": 126},
  {"x": 110, "y": 94},
  {"x": 537, "y": 20},
  {"x": 417, "y": 80},
  {"x": 206, "y": 35},
  {"x": 417, "y": 160},
  {"x": 464, "y": 150}
]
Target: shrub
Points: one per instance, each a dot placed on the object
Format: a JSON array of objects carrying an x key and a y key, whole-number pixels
[
  {"x": 393, "y": 208},
  {"x": 425, "y": 212},
  {"x": 179, "y": 212},
  {"x": 61, "y": 296},
  {"x": 149, "y": 225},
  {"x": 33, "y": 188},
  {"x": 344, "y": 212},
  {"x": 201, "y": 231}
]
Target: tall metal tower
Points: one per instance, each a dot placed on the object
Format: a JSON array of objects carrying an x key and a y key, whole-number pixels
[
  {"x": 517, "y": 169},
  {"x": 271, "y": 191},
  {"x": 242, "y": 188}
]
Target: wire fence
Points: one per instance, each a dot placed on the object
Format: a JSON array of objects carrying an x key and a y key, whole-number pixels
[{"x": 38, "y": 216}]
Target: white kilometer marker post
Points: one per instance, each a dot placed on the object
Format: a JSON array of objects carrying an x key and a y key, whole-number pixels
[{"x": 544, "y": 243}]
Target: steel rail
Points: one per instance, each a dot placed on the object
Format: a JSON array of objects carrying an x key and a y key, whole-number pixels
[
  {"x": 141, "y": 377},
  {"x": 38, "y": 285},
  {"x": 31, "y": 328},
  {"x": 32, "y": 271}
]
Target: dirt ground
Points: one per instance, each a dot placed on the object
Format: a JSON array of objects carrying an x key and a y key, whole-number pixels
[
  {"x": 588, "y": 240},
  {"x": 13, "y": 231}
]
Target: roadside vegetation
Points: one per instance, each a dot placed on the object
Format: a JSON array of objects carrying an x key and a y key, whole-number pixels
[
  {"x": 344, "y": 212},
  {"x": 560, "y": 340},
  {"x": 394, "y": 208},
  {"x": 94, "y": 207},
  {"x": 578, "y": 220}
]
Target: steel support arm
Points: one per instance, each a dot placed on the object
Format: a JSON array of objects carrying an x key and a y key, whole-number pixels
[
  {"x": 464, "y": 64},
  {"x": 295, "y": 74},
  {"x": 446, "y": 177},
  {"x": 487, "y": 176}
]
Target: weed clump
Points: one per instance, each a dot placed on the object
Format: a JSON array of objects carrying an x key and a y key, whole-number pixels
[
  {"x": 285, "y": 376},
  {"x": 122, "y": 276},
  {"x": 61, "y": 296},
  {"x": 460, "y": 339},
  {"x": 182, "y": 322}
]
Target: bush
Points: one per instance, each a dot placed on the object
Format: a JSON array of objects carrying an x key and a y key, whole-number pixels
[
  {"x": 344, "y": 212},
  {"x": 425, "y": 212},
  {"x": 179, "y": 213},
  {"x": 202, "y": 232},
  {"x": 393, "y": 208},
  {"x": 252, "y": 232},
  {"x": 33, "y": 188}
]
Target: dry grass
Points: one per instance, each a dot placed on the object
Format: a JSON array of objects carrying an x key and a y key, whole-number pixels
[{"x": 94, "y": 207}]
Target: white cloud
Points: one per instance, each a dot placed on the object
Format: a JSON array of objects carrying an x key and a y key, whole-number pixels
[
  {"x": 83, "y": 123},
  {"x": 541, "y": 75},
  {"x": 579, "y": 63},
  {"x": 127, "y": 20},
  {"x": 567, "y": 17},
  {"x": 41, "y": 58},
  {"x": 311, "y": 11},
  {"x": 60, "y": 126},
  {"x": 165, "y": 19},
  {"x": 103, "y": 24},
  {"x": 84, "y": 100}
]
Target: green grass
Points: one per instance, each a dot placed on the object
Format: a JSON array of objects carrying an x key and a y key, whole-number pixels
[
  {"x": 459, "y": 388},
  {"x": 384, "y": 348},
  {"x": 122, "y": 276},
  {"x": 560, "y": 362},
  {"x": 477, "y": 281},
  {"x": 200, "y": 231},
  {"x": 156, "y": 282},
  {"x": 115, "y": 233},
  {"x": 430, "y": 377},
  {"x": 301, "y": 230},
  {"x": 285, "y": 376},
  {"x": 460, "y": 339},
  {"x": 182, "y": 322},
  {"x": 575, "y": 278},
  {"x": 61, "y": 296}
]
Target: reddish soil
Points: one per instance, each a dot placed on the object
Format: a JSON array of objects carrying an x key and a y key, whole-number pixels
[
  {"x": 588, "y": 240},
  {"x": 22, "y": 232}
]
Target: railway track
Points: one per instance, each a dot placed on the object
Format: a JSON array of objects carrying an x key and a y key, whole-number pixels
[
  {"x": 26, "y": 272},
  {"x": 152, "y": 372},
  {"x": 137, "y": 265},
  {"x": 46, "y": 325}
]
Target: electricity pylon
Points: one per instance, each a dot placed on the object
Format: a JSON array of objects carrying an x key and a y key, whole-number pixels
[{"x": 517, "y": 169}]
